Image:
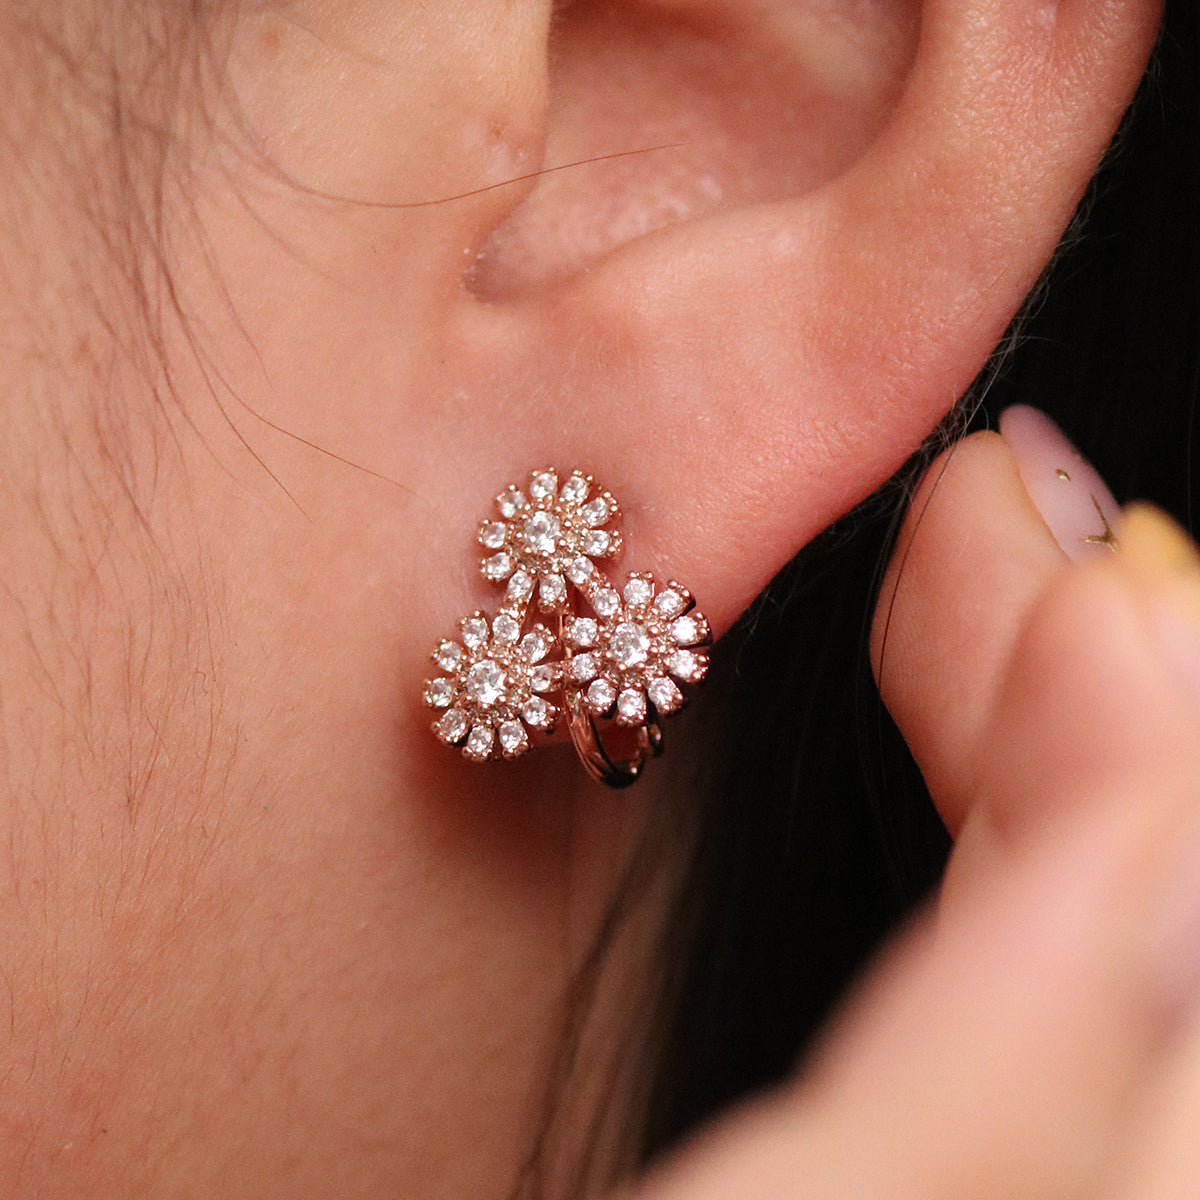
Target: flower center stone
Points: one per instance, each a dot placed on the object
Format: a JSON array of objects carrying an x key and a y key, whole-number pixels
[
  {"x": 629, "y": 645},
  {"x": 485, "y": 683},
  {"x": 541, "y": 533}
]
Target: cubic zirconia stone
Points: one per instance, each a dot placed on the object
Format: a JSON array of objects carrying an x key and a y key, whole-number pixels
[
  {"x": 552, "y": 591},
  {"x": 543, "y": 485},
  {"x": 606, "y": 602},
  {"x": 448, "y": 655},
  {"x": 541, "y": 533},
  {"x": 510, "y": 502},
  {"x": 439, "y": 693},
  {"x": 452, "y": 727},
  {"x": 580, "y": 571},
  {"x": 520, "y": 587},
  {"x": 543, "y": 678},
  {"x": 639, "y": 592},
  {"x": 492, "y": 535},
  {"x": 583, "y": 667},
  {"x": 629, "y": 645},
  {"x": 601, "y": 696},
  {"x": 583, "y": 632},
  {"x": 668, "y": 604},
  {"x": 537, "y": 713},
  {"x": 631, "y": 707},
  {"x": 485, "y": 682},
  {"x": 513, "y": 739},
  {"x": 664, "y": 695},
  {"x": 536, "y": 644},
  {"x": 505, "y": 630},
  {"x": 499, "y": 567},
  {"x": 687, "y": 631},
  {"x": 687, "y": 665},
  {"x": 480, "y": 742},
  {"x": 597, "y": 511},
  {"x": 596, "y": 542},
  {"x": 575, "y": 490},
  {"x": 474, "y": 631}
]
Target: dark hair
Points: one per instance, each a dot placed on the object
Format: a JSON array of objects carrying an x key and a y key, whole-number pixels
[{"x": 824, "y": 836}]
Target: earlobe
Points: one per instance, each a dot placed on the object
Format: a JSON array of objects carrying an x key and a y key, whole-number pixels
[{"x": 758, "y": 371}]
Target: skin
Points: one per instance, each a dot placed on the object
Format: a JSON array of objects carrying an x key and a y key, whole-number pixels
[{"x": 262, "y": 935}]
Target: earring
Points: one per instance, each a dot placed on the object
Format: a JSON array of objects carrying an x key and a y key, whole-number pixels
[{"x": 607, "y": 655}]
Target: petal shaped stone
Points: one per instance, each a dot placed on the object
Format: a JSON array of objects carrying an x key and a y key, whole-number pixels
[
  {"x": 552, "y": 592},
  {"x": 690, "y": 630},
  {"x": 499, "y": 567},
  {"x": 543, "y": 678},
  {"x": 631, "y": 707},
  {"x": 513, "y": 738},
  {"x": 583, "y": 667},
  {"x": 510, "y": 502},
  {"x": 580, "y": 571},
  {"x": 520, "y": 587},
  {"x": 492, "y": 535},
  {"x": 601, "y": 696},
  {"x": 536, "y": 644},
  {"x": 583, "y": 632},
  {"x": 606, "y": 602},
  {"x": 448, "y": 655},
  {"x": 597, "y": 511},
  {"x": 543, "y": 485},
  {"x": 664, "y": 695},
  {"x": 474, "y": 631},
  {"x": 439, "y": 693},
  {"x": 669, "y": 604},
  {"x": 537, "y": 714},
  {"x": 505, "y": 630},
  {"x": 575, "y": 490},
  {"x": 639, "y": 591},
  {"x": 479, "y": 743},
  {"x": 688, "y": 666},
  {"x": 452, "y": 727}
]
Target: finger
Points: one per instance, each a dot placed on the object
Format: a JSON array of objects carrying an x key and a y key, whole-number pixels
[
  {"x": 1004, "y": 1051},
  {"x": 1165, "y": 1162},
  {"x": 972, "y": 558}
]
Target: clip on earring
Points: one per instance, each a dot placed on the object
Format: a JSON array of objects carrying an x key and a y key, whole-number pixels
[{"x": 611, "y": 656}]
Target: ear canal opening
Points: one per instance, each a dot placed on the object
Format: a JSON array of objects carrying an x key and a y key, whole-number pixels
[{"x": 666, "y": 112}]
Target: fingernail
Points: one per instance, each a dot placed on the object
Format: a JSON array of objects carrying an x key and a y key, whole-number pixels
[
  {"x": 1154, "y": 548},
  {"x": 1065, "y": 488},
  {"x": 1161, "y": 557}
]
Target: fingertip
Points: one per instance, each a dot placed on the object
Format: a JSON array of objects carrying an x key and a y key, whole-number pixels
[{"x": 972, "y": 558}]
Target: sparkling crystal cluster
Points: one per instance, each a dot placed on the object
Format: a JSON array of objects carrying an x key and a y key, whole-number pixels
[{"x": 505, "y": 678}]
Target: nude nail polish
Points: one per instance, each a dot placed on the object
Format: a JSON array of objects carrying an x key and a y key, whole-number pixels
[{"x": 1065, "y": 488}]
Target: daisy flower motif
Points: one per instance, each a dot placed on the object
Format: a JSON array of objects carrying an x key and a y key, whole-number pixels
[
  {"x": 547, "y": 537},
  {"x": 493, "y": 692},
  {"x": 629, "y": 659}
]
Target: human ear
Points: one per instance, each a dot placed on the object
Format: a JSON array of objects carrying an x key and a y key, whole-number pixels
[{"x": 743, "y": 377}]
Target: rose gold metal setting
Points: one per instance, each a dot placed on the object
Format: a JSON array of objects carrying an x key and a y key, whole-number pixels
[{"x": 618, "y": 656}]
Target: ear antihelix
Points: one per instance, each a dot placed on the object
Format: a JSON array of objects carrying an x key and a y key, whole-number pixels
[{"x": 661, "y": 113}]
